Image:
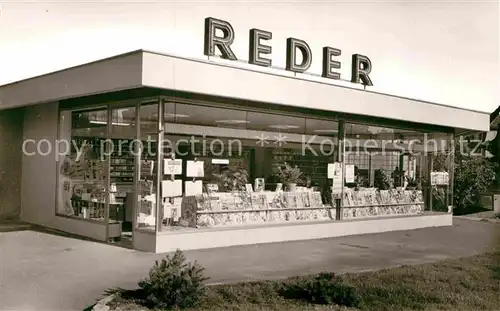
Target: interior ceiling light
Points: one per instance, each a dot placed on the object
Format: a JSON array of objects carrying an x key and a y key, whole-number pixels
[
  {"x": 284, "y": 126},
  {"x": 220, "y": 161},
  {"x": 176, "y": 115},
  {"x": 113, "y": 123},
  {"x": 326, "y": 131},
  {"x": 232, "y": 121}
]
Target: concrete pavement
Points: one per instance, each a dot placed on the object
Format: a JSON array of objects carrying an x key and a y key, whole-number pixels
[{"x": 40, "y": 271}]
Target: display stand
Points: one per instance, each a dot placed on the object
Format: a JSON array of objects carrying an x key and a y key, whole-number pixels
[
  {"x": 370, "y": 202},
  {"x": 146, "y": 197},
  {"x": 171, "y": 192},
  {"x": 189, "y": 207},
  {"x": 243, "y": 208},
  {"x": 169, "y": 221}
]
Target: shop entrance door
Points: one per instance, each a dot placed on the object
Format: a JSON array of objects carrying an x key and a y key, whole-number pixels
[
  {"x": 438, "y": 190},
  {"x": 147, "y": 197},
  {"x": 121, "y": 158},
  {"x": 133, "y": 158}
]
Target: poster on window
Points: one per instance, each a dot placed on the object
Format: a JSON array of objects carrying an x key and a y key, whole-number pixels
[
  {"x": 335, "y": 174},
  {"x": 195, "y": 169},
  {"x": 412, "y": 168},
  {"x": 349, "y": 174},
  {"x": 171, "y": 188},
  {"x": 172, "y": 167},
  {"x": 259, "y": 184},
  {"x": 334, "y": 170},
  {"x": 440, "y": 178},
  {"x": 147, "y": 168},
  {"x": 193, "y": 188}
]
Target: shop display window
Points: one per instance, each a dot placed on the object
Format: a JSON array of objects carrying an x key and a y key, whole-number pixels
[
  {"x": 148, "y": 159},
  {"x": 82, "y": 171},
  {"x": 181, "y": 165},
  {"x": 98, "y": 177},
  {"x": 254, "y": 169},
  {"x": 388, "y": 171}
]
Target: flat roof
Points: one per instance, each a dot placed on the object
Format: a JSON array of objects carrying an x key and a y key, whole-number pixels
[{"x": 143, "y": 68}]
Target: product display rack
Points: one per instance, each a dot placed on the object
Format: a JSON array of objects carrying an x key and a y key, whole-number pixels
[
  {"x": 238, "y": 208},
  {"x": 121, "y": 160}
]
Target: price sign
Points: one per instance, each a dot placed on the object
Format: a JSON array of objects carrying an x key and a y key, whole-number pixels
[{"x": 172, "y": 167}]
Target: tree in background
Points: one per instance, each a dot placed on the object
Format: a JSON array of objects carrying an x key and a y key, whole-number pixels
[
  {"x": 493, "y": 149},
  {"x": 474, "y": 174}
]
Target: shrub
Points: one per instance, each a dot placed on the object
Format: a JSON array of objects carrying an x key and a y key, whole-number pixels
[
  {"x": 382, "y": 180},
  {"x": 289, "y": 174},
  {"x": 439, "y": 199},
  {"x": 325, "y": 288},
  {"x": 473, "y": 176},
  {"x": 232, "y": 180},
  {"x": 173, "y": 283}
]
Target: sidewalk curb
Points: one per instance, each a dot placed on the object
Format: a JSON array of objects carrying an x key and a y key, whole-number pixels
[
  {"x": 102, "y": 304},
  {"x": 490, "y": 220}
]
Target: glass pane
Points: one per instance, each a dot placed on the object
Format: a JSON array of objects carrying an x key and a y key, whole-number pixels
[
  {"x": 383, "y": 171},
  {"x": 204, "y": 115},
  {"x": 122, "y": 171},
  {"x": 147, "y": 149},
  {"x": 440, "y": 171},
  {"x": 82, "y": 172},
  {"x": 241, "y": 153}
]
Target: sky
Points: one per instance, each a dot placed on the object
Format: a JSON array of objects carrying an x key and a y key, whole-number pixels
[{"x": 439, "y": 51}]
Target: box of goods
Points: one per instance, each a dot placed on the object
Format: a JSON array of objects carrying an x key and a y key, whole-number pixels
[
  {"x": 145, "y": 187},
  {"x": 383, "y": 197},
  {"x": 290, "y": 200},
  {"x": 95, "y": 170},
  {"x": 228, "y": 202},
  {"x": 349, "y": 197},
  {"x": 188, "y": 211},
  {"x": 204, "y": 202},
  {"x": 278, "y": 201},
  {"x": 306, "y": 199},
  {"x": 271, "y": 198},
  {"x": 147, "y": 168},
  {"x": 323, "y": 214},
  {"x": 205, "y": 221},
  {"x": 98, "y": 195},
  {"x": 299, "y": 199},
  {"x": 245, "y": 200},
  {"x": 88, "y": 171},
  {"x": 259, "y": 201},
  {"x": 359, "y": 198},
  {"x": 396, "y": 196},
  {"x": 146, "y": 207},
  {"x": 315, "y": 199},
  {"x": 76, "y": 169},
  {"x": 407, "y": 196},
  {"x": 362, "y": 212},
  {"x": 370, "y": 211},
  {"x": 370, "y": 196},
  {"x": 417, "y": 196}
]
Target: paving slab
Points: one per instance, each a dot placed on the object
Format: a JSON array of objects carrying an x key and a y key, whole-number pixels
[{"x": 42, "y": 271}]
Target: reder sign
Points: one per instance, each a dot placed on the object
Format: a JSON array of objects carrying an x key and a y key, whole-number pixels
[{"x": 360, "y": 68}]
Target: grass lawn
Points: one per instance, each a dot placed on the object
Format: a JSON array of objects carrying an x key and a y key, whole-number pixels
[{"x": 461, "y": 284}]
